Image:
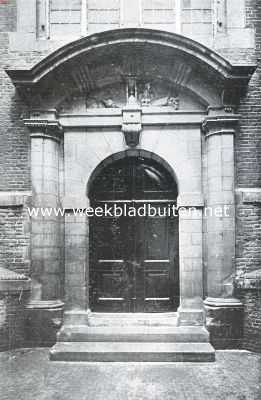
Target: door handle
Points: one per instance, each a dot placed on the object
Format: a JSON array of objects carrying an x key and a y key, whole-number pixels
[
  {"x": 134, "y": 264},
  {"x": 137, "y": 265}
]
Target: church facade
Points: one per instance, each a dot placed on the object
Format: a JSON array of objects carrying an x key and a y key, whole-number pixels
[{"x": 130, "y": 186}]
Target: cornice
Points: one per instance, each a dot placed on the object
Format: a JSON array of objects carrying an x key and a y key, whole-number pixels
[
  {"x": 130, "y": 36},
  {"x": 183, "y": 56}
]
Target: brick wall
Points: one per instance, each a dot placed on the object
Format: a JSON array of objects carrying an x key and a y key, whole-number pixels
[
  {"x": 248, "y": 144},
  {"x": 14, "y": 149},
  {"x": 251, "y": 299},
  {"x": 12, "y": 316},
  {"x": 248, "y": 229},
  {"x": 14, "y": 239},
  {"x": 248, "y": 168},
  {"x": 14, "y": 176}
]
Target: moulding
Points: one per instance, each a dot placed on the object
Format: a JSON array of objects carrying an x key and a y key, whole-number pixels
[
  {"x": 222, "y": 302},
  {"x": 179, "y": 43},
  {"x": 186, "y": 61},
  {"x": 152, "y": 116}
]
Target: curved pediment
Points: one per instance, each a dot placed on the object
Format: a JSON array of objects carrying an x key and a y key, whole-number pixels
[{"x": 108, "y": 58}]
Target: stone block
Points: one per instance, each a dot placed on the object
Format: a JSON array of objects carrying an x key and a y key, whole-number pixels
[
  {"x": 45, "y": 239},
  {"x": 194, "y": 149},
  {"x": 228, "y": 183},
  {"x": 214, "y": 170},
  {"x": 54, "y": 267},
  {"x": 76, "y": 297},
  {"x": 135, "y": 352},
  {"x": 42, "y": 324},
  {"x": 196, "y": 239},
  {"x": 192, "y": 226},
  {"x": 191, "y": 251},
  {"x": 75, "y": 268},
  {"x": 76, "y": 228},
  {"x": 75, "y": 253},
  {"x": 215, "y": 183},
  {"x": 46, "y": 200},
  {"x": 51, "y": 286},
  {"x": 225, "y": 325},
  {"x": 26, "y": 16},
  {"x": 77, "y": 279},
  {"x": 190, "y": 199},
  {"x": 185, "y": 239}
]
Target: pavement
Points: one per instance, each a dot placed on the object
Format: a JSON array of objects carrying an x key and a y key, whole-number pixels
[{"x": 27, "y": 374}]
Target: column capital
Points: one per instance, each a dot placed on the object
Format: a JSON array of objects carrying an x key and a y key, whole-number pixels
[
  {"x": 220, "y": 124},
  {"x": 44, "y": 123}
]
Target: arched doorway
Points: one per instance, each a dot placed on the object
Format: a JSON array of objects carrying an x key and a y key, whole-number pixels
[{"x": 134, "y": 263}]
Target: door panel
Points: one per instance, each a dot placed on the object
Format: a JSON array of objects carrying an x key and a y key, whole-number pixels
[
  {"x": 158, "y": 261},
  {"x": 134, "y": 260}
]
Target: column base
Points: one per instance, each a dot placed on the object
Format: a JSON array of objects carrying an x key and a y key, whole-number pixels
[{"x": 224, "y": 322}]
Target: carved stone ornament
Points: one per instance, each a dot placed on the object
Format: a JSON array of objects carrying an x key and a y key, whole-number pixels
[
  {"x": 132, "y": 91},
  {"x": 100, "y": 103},
  {"x": 132, "y": 135},
  {"x": 131, "y": 124},
  {"x": 136, "y": 93},
  {"x": 147, "y": 95},
  {"x": 156, "y": 95},
  {"x": 173, "y": 101},
  {"x": 113, "y": 96}
]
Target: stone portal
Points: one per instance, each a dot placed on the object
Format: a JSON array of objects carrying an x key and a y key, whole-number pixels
[{"x": 166, "y": 105}]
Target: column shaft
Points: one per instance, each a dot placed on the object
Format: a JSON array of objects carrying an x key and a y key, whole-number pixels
[
  {"x": 220, "y": 211},
  {"x": 46, "y": 229}
]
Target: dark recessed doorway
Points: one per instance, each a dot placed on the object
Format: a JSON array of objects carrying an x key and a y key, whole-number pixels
[{"x": 134, "y": 263}]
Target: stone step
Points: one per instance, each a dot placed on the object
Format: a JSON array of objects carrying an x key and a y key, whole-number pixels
[
  {"x": 132, "y": 352},
  {"x": 133, "y": 319},
  {"x": 143, "y": 334}
]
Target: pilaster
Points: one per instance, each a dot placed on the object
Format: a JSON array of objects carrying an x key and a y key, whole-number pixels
[{"x": 191, "y": 310}]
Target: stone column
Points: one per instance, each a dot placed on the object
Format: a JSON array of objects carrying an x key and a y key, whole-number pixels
[
  {"x": 191, "y": 311},
  {"x": 220, "y": 222},
  {"x": 46, "y": 227}
]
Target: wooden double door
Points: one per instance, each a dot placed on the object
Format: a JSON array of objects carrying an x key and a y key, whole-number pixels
[{"x": 134, "y": 242}]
